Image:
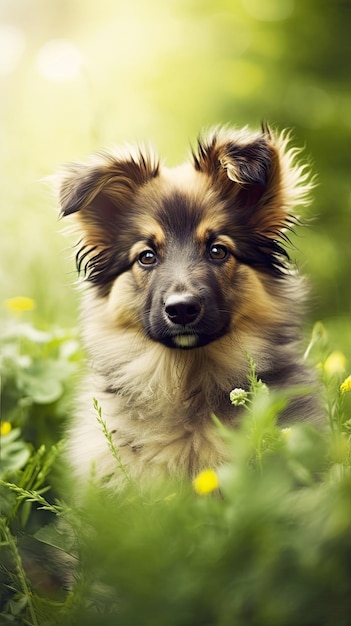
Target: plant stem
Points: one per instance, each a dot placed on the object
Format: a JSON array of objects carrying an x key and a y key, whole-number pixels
[
  {"x": 111, "y": 445},
  {"x": 11, "y": 542}
]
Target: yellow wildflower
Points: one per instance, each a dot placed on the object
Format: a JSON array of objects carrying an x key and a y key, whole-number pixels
[
  {"x": 5, "y": 428},
  {"x": 346, "y": 385},
  {"x": 20, "y": 304},
  {"x": 286, "y": 432},
  {"x": 335, "y": 363},
  {"x": 206, "y": 482}
]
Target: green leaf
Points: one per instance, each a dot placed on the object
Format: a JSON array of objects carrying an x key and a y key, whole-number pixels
[
  {"x": 14, "y": 457},
  {"x": 61, "y": 538},
  {"x": 41, "y": 382}
]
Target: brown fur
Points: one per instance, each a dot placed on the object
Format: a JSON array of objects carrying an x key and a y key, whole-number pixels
[{"x": 187, "y": 274}]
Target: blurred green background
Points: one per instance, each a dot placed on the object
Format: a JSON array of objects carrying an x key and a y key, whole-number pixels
[{"x": 76, "y": 76}]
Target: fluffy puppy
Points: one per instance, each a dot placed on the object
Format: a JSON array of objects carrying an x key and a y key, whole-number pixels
[{"x": 186, "y": 274}]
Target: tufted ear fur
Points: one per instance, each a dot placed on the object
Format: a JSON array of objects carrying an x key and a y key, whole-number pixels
[
  {"x": 100, "y": 194},
  {"x": 110, "y": 179},
  {"x": 256, "y": 170},
  {"x": 261, "y": 184},
  {"x": 257, "y": 177}
]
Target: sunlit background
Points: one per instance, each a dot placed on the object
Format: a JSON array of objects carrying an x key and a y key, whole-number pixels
[{"x": 76, "y": 76}]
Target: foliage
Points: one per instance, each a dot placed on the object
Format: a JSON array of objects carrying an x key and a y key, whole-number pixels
[
  {"x": 264, "y": 540},
  {"x": 37, "y": 373},
  {"x": 37, "y": 369}
]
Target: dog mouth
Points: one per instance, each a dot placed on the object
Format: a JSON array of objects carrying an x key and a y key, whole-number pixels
[
  {"x": 182, "y": 338},
  {"x": 185, "y": 340}
]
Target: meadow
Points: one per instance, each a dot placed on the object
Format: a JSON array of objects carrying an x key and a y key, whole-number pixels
[{"x": 265, "y": 540}]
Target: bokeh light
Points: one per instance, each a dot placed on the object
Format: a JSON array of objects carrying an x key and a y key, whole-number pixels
[
  {"x": 59, "y": 60},
  {"x": 12, "y": 47}
]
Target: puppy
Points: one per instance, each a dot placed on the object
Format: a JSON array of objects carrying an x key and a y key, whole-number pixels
[{"x": 186, "y": 274}]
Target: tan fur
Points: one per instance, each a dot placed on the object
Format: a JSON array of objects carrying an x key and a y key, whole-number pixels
[{"x": 157, "y": 400}]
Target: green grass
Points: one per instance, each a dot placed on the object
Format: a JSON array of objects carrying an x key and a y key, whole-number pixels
[{"x": 265, "y": 540}]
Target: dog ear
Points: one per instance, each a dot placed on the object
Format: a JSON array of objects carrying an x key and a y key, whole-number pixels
[
  {"x": 100, "y": 195},
  {"x": 248, "y": 164},
  {"x": 256, "y": 173},
  {"x": 106, "y": 185},
  {"x": 261, "y": 183},
  {"x": 237, "y": 157}
]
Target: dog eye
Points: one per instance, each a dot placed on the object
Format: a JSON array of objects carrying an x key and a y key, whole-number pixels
[
  {"x": 218, "y": 252},
  {"x": 147, "y": 257}
]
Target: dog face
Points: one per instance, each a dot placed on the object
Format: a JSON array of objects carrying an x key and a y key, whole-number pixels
[
  {"x": 190, "y": 254},
  {"x": 186, "y": 274}
]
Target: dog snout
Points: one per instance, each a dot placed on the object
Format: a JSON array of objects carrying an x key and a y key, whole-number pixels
[{"x": 182, "y": 308}]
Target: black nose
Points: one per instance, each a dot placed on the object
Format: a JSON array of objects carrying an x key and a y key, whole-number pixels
[{"x": 182, "y": 308}]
